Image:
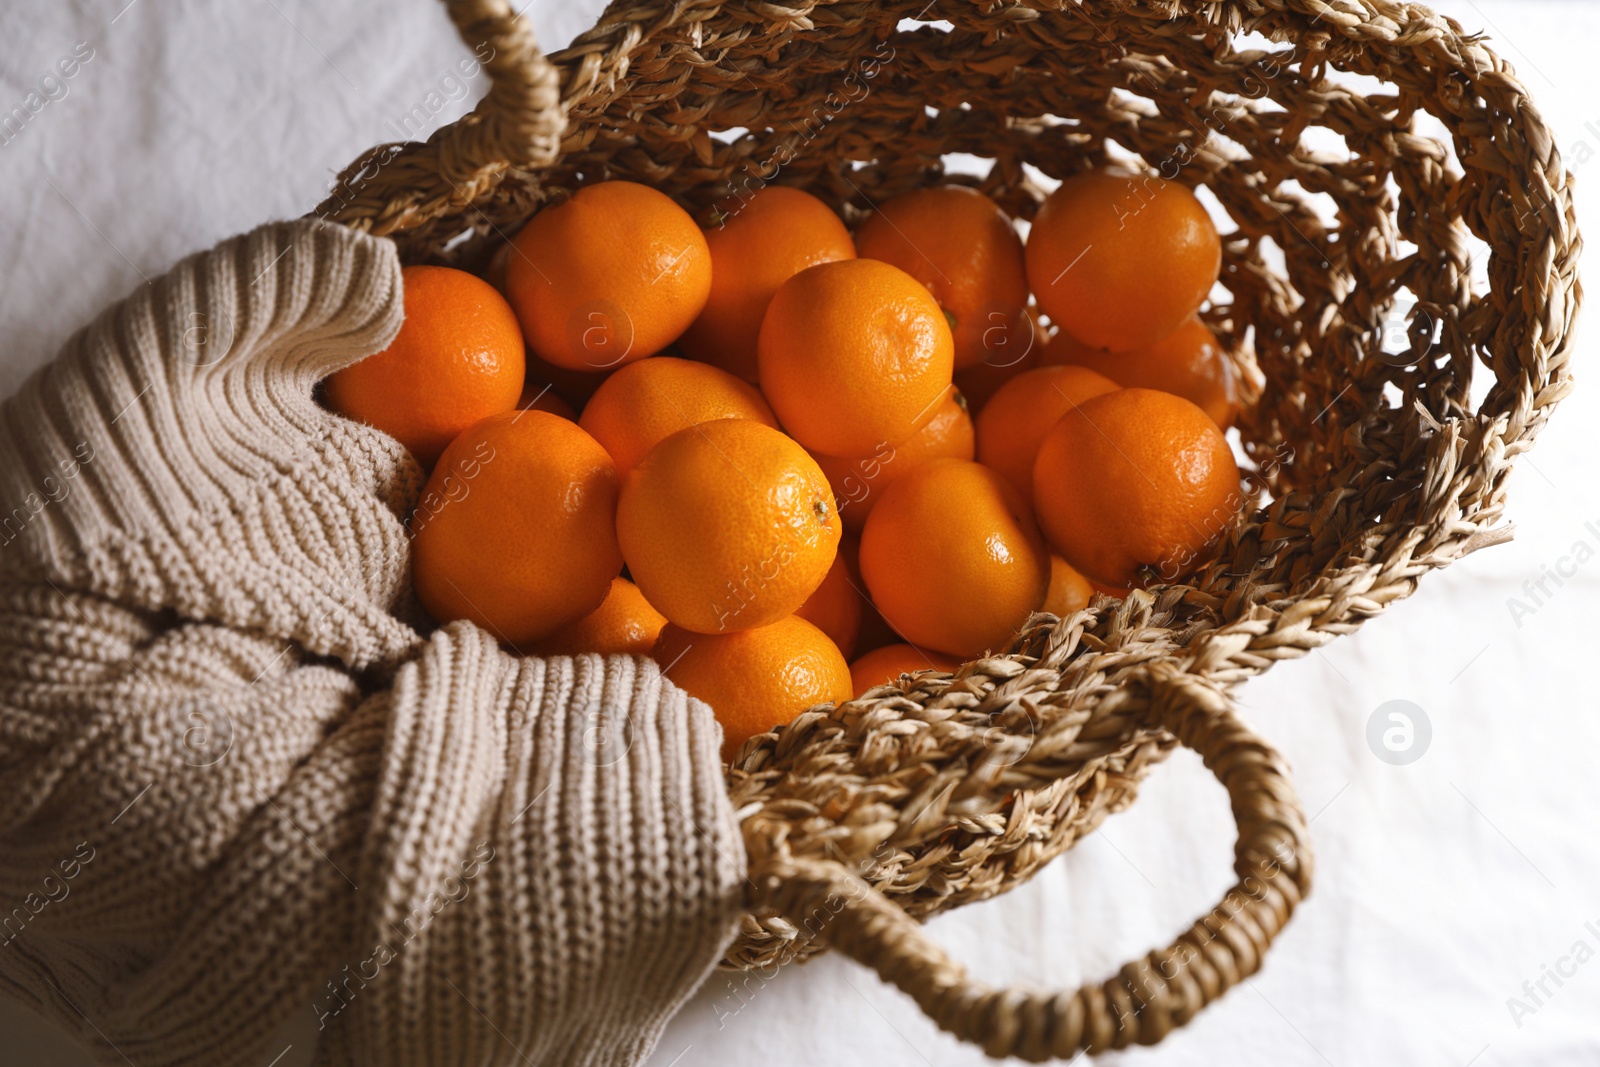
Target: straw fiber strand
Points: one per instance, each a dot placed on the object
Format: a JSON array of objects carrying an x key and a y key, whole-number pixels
[{"x": 1346, "y": 224}]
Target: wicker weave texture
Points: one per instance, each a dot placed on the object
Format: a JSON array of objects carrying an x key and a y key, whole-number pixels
[{"x": 1388, "y": 395}]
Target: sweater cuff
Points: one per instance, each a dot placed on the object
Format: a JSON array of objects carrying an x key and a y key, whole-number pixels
[
  {"x": 555, "y": 862},
  {"x": 172, "y": 457}
]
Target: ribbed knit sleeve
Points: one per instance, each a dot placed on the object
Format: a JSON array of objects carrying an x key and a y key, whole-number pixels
[
  {"x": 238, "y": 782},
  {"x": 172, "y": 456}
]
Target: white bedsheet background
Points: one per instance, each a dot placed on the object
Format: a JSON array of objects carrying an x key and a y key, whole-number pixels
[{"x": 1442, "y": 886}]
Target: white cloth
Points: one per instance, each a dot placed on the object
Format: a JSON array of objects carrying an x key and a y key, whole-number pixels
[{"x": 1430, "y": 908}]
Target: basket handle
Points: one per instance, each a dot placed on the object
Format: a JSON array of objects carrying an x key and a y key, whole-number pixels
[
  {"x": 520, "y": 119},
  {"x": 1147, "y": 998},
  {"x": 517, "y": 125}
]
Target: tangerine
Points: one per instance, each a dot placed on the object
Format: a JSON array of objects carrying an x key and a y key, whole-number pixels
[
  {"x": 645, "y": 402},
  {"x": 457, "y": 359},
  {"x": 545, "y": 398},
  {"x": 1119, "y": 260},
  {"x": 756, "y": 246},
  {"x": 1188, "y": 362},
  {"x": 1132, "y": 486},
  {"x": 516, "y": 528},
  {"x": 957, "y": 242},
  {"x": 836, "y": 607},
  {"x": 853, "y": 355},
  {"x": 758, "y": 678},
  {"x": 946, "y": 433},
  {"x": 727, "y": 525},
  {"x": 1069, "y": 591},
  {"x": 1018, "y": 352},
  {"x": 885, "y": 665},
  {"x": 623, "y": 624},
  {"x": 953, "y": 559},
  {"x": 573, "y": 386},
  {"x": 612, "y": 274},
  {"x": 1022, "y": 412}
]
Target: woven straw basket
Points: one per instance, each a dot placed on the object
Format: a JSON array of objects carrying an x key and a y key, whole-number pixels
[{"x": 1374, "y": 462}]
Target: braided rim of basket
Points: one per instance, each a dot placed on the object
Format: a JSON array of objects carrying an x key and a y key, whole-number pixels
[{"x": 1371, "y": 467}]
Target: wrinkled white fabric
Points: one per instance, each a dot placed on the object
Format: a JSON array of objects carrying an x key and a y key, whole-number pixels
[{"x": 190, "y": 125}]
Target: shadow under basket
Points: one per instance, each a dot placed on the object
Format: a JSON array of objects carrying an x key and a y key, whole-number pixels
[{"x": 1398, "y": 293}]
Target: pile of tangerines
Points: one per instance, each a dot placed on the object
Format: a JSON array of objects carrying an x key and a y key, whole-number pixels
[{"x": 803, "y": 446}]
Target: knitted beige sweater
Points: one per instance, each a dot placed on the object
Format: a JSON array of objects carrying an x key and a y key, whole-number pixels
[{"x": 238, "y": 783}]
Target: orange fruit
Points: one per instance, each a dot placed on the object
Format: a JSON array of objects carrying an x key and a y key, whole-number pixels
[
  {"x": 1119, "y": 260},
  {"x": 836, "y": 607},
  {"x": 647, "y": 401},
  {"x": 457, "y": 359},
  {"x": 873, "y": 632},
  {"x": 1011, "y": 353},
  {"x": 1069, "y": 591},
  {"x": 1188, "y": 362},
  {"x": 545, "y": 398},
  {"x": 728, "y": 525},
  {"x": 623, "y": 624},
  {"x": 1132, "y": 486},
  {"x": 573, "y": 386},
  {"x": 494, "y": 271},
  {"x": 952, "y": 558},
  {"x": 946, "y": 433},
  {"x": 612, "y": 274},
  {"x": 853, "y": 355},
  {"x": 516, "y": 528},
  {"x": 757, "y": 245},
  {"x": 1022, "y": 412},
  {"x": 958, "y": 243},
  {"x": 755, "y": 679},
  {"x": 884, "y": 665}
]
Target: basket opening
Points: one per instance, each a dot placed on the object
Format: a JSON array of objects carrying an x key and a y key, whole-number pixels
[
  {"x": 1332, "y": 161},
  {"x": 1370, "y": 165}
]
